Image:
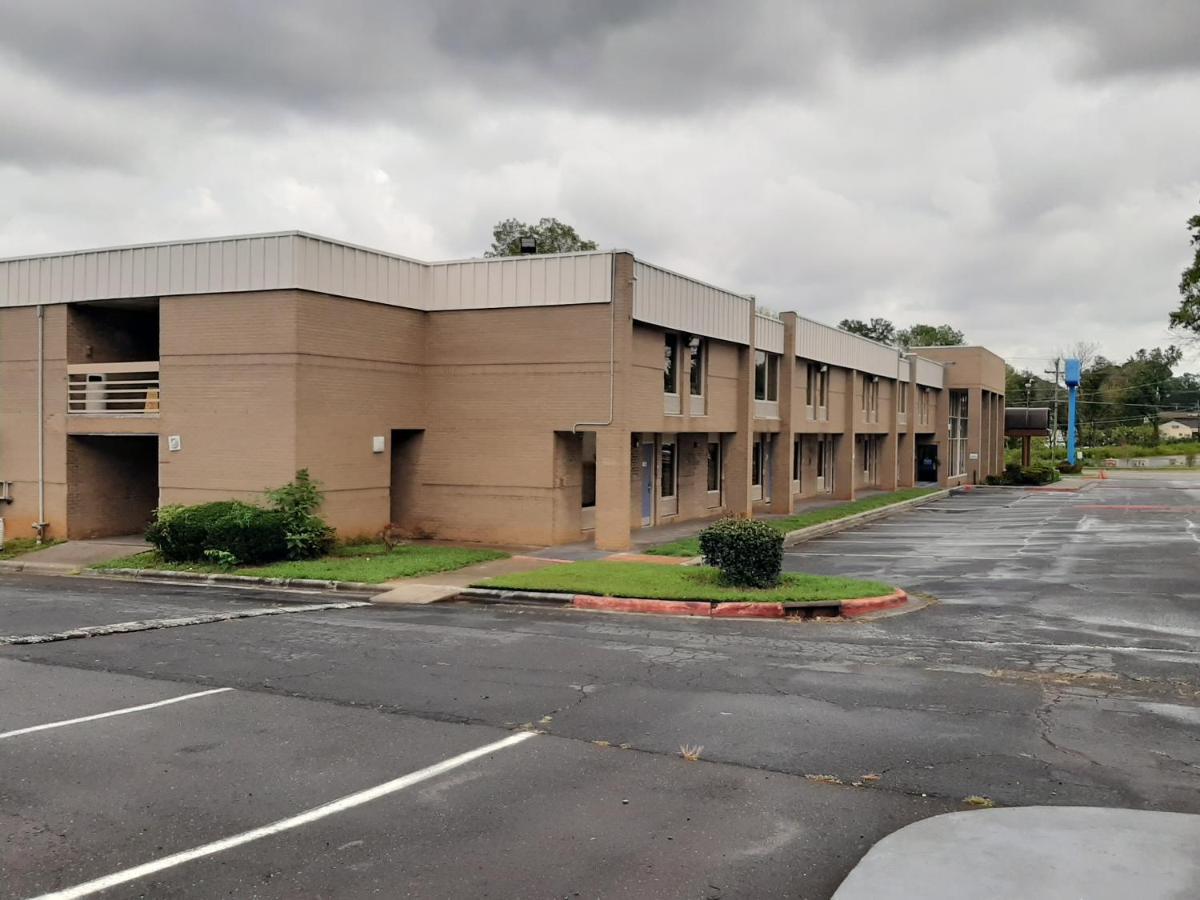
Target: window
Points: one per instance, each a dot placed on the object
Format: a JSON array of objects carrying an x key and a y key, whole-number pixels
[
  {"x": 589, "y": 469},
  {"x": 698, "y": 351},
  {"x": 866, "y": 389},
  {"x": 666, "y": 471},
  {"x": 766, "y": 375},
  {"x": 756, "y": 464},
  {"x": 671, "y": 364},
  {"x": 797, "y": 461},
  {"x": 817, "y": 389},
  {"x": 714, "y": 466},
  {"x": 870, "y": 398},
  {"x": 923, "y": 406},
  {"x": 958, "y": 433},
  {"x": 901, "y": 398}
]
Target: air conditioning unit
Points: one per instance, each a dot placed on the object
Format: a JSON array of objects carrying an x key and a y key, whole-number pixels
[{"x": 95, "y": 392}]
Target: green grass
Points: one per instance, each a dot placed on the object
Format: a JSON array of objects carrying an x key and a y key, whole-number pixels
[
  {"x": 370, "y": 563},
  {"x": 19, "y": 546},
  {"x": 665, "y": 582},
  {"x": 691, "y": 546}
]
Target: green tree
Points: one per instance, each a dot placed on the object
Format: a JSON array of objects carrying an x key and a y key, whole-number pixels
[
  {"x": 1187, "y": 317},
  {"x": 877, "y": 329},
  {"x": 930, "y": 336},
  {"x": 549, "y": 236}
]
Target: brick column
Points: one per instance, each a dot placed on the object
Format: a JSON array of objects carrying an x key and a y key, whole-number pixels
[
  {"x": 907, "y": 461},
  {"x": 781, "y": 458},
  {"x": 889, "y": 477},
  {"x": 941, "y": 434},
  {"x": 844, "y": 455},
  {"x": 740, "y": 445},
  {"x": 614, "y": 461}
]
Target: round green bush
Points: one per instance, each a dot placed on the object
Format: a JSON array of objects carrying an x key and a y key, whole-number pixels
[
  {"x": 250, "y": 533},
  {"x": 749, "y": 553}
]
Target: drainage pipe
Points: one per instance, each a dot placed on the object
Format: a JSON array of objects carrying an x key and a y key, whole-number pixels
[
  {"x": 612, "y": 353},
  {"x": 40, "y": 525}
]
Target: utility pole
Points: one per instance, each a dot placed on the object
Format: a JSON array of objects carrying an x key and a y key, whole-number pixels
[{"x": 1054, "y": 420}]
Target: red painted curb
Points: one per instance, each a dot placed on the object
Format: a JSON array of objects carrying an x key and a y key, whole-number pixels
[
  {"x": 852, "y": 608},
  {"x": 629, "y": 604},
  {"x": 747, "y": 610}
]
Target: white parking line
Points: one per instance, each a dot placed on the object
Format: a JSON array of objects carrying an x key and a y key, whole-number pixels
[
  {"x": 319, "y": 812},
  {"x": 115, "y": 712}
]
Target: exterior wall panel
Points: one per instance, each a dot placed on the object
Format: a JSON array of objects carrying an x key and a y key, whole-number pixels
[
  {"x": 822, "y": 343},
  {"x": 930, "y": 373},
  {"x": 768, "y": 333},
  {"x": 672, "y": 301}
]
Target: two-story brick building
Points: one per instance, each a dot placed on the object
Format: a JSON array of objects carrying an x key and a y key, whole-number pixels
[{"x": 534, "y": 400}]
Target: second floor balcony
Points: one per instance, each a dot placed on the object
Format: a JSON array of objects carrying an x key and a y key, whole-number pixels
[{"x": 113, "y": 389}]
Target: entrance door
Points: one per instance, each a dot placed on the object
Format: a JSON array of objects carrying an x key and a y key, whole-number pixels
[{"x": 647, "y": 483}]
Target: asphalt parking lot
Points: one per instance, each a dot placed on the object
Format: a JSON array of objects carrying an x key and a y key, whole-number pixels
[{"x": 384, "y": 752}]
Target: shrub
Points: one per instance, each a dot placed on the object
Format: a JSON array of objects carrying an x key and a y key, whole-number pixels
[
  {"x": 748, "y": 553},
  {"x": 250, "y": 534},
  {"x": 1065, "y": 468},
  {"x": 305, "y": 533}
]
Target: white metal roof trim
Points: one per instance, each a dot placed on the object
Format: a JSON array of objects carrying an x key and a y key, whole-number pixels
[
  {"x": 768, "y": 333},
  {"x": 930, "y": 373},
  {"x": 823, "y": 343},
  {"x": 661, "y": 297},
  {"x": 298, "y": 260}
]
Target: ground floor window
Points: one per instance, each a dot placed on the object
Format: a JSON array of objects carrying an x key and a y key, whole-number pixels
[
  {"x": 714, "y": 466},
  {"x": 589, "y": 470},
  {"x": 797, "y": 462},
  {"x": 667, "y": 471},
  {"x": 958, "y": 433}
]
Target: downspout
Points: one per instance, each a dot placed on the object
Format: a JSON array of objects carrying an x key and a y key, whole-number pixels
[
  {"x": 40, "y": 525},
  {"x": 612, "y": 354}
]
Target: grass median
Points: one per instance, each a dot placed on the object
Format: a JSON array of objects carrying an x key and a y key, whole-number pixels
[
  {"x": 369, "y": 563},
  {"x": 691, "y": 546},
  {"x": 659, "y": 582}
]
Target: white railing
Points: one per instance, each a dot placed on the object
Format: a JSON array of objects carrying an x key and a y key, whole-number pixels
[{"x": 113, "y": 389}]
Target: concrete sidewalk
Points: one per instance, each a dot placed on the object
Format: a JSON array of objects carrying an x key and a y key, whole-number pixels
[
  {"x": 74, "y": 556},
  {"x": 444, "y": 585},
  {"x": 1035, "y": 853}
]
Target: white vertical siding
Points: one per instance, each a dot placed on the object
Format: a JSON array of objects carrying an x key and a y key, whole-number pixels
[
  {"x": 296, "y": 260},
  {"x": 768, "y": 333},
  {"x": 663, "y": 298},
  {"x": 521, "y": 281},
  {"x": 227, "y": 264},
  {"x": 903, "y": 369},
  {"x": 823, "y": 343},
  {"x": 930, "y": 373}
]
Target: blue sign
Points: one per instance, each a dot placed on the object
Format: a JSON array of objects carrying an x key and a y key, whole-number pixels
[{"x": 1073, "y": 373}]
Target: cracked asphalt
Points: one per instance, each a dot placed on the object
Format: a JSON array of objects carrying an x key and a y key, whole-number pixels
[{"x": 1058, "y": 664}]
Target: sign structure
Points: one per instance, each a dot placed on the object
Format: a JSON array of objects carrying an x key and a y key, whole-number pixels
[{"x": 1074, "y": 372}]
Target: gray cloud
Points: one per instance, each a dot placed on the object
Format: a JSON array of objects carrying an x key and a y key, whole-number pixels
[{"x": 1023, "y": 169}]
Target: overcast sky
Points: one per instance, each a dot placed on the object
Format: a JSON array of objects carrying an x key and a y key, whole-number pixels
[{"x": 1022, "y": 169}]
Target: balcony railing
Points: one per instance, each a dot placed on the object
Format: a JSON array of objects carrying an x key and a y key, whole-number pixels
[{"x": 113, "y": 389}]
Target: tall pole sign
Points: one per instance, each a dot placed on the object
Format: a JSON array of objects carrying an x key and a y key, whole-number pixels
[{"x": 1074, "y": 371}]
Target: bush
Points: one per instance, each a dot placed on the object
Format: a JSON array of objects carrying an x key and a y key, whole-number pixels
[
  {"x": 249, "y": 534},
  {"x": 306, "y": 534},
  {"x": 231, "y": 532},
  {"x": 748, "y": 553},
  {"x": 1065, "y": 468}
]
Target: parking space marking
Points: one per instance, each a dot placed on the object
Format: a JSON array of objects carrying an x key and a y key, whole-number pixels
[
  {"x": 115, "y": 712},
  {"x": 316, "y": 813}
]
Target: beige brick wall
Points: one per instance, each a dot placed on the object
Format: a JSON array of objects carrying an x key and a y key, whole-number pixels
[
  {"x": 229, "y": 373},
  {"x": 18, "y": 418}
]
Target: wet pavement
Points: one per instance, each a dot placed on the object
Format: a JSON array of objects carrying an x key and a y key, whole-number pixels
[{"x": 1058, "y": 666}]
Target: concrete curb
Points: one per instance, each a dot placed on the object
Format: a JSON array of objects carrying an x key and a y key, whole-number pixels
[
  {"x": 358, "y": 587},
  {"x": 701, "y": 608},
  {"x": 800, "y": 535},
  {"x": 38, "y": 568}
]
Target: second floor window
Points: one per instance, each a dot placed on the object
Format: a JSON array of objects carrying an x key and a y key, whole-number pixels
[
  {"x": 671, "y": 364},
  {"x": 817, "y": 389},
  {"x": 697, "y": 351},
  {"x": 766, "y": 375}
]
